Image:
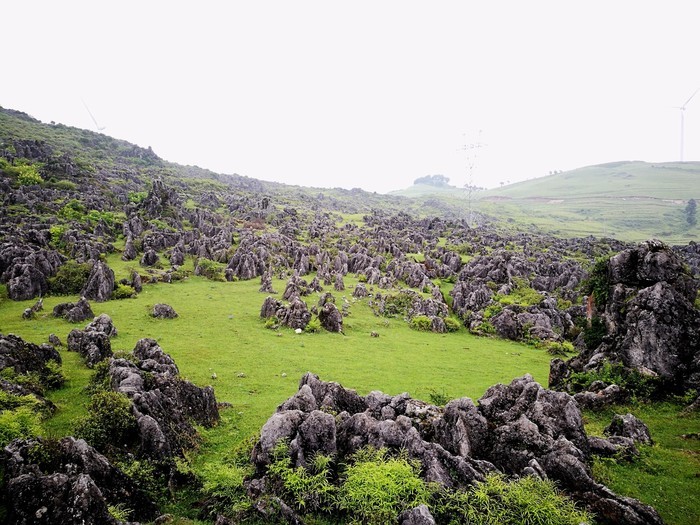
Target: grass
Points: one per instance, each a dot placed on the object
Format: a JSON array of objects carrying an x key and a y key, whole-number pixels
[
  {"x": 219, "y": 331},
  {"x": 667, "y": 475}
]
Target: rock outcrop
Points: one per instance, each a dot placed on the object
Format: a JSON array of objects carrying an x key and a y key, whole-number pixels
[
  {"x": 165, "y": 405},
  {"x": 68, "y": 482},
  {"x": 645, "y": 297},
  {"x": 518, "y": 429},
  {"x": 100, "y": 283}
]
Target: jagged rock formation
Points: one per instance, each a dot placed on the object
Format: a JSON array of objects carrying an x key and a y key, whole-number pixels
[
  {"x": 518, "y": 429},
  {"x": 93, "y": 343},
  {"x": 74, "y": 312},
  {"x": 100, "y": 283},
  {"x": 651, "y": 323},
  {"x": 68, "y": 482},
  {"x": 165, "y": 405},
  {"x": 25, "y": 269}
]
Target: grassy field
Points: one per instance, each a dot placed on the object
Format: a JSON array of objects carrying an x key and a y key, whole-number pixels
[{"x": 219, "y": 331}]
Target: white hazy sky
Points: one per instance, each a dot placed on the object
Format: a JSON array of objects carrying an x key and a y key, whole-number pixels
[{"x": 369, "y": 94}]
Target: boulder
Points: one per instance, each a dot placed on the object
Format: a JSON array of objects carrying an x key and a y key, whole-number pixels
[
  {"x": 100, "y": 283},
  {"x": 163, "y": 311},
  {"x": 74, "y": 312}
]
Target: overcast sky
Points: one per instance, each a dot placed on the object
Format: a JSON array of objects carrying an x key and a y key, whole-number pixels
[{"x": 369, "y": 94}]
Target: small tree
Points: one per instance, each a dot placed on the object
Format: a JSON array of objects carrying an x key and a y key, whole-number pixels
[{"x": 691, "y": 211}]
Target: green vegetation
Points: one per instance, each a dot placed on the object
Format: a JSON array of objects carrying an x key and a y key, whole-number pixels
[
  {"x": 666, "y": 474},
  {"x": 109, "y": 422},
  {"x": 70, "y": 278}
]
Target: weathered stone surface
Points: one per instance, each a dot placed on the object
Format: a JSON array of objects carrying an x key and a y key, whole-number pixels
[
  {"x": 74, "y": 486},
  {"x": 100, "y": 283},
  {"x": 165, "y": 405},
  {"x": 519, "y": 429},
  {"x": 24, "y": 357},
  {"x": 163, "y": 311},
  {"x": 629, "y": 426},
  {"x": 74, "y": 312}
]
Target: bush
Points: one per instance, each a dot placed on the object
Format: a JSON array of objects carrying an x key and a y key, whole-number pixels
[
  {"x": 593, "y": 335},
  {"x": 65, "y": 185},
  {"x": 210, "y": 269},
  {"x": 56, "y": 231},
  {"x": 422, "y": 323},
  {"x": 70, "y": 278},
  {"x": 109, "y": 422},
  {"x": 452, "y": 324},
  {"x": 376, "y": 488},
  {"x": 73, "y": 210},
  {"x": 314, "y": 326},
  {"x": 528, "y": 500},
  {"x": 22, "y": 422},
  {"x": 637, "y": 384},
  {"x": 123, "y": 291},
  {"x": 306, "y": 489},
  {"x": 28, "y": 175}
]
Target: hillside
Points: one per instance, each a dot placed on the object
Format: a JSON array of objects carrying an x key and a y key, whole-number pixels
[
  {"x": 631, "y": 201},
  {"x": 227, "y": 350}
]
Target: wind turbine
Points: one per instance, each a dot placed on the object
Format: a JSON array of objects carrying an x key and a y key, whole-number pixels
[
  {"x": 682, "y": 109},
  {"x": 101, "y": 128}
]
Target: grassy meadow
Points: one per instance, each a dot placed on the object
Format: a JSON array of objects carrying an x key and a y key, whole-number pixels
[{"x": 219, "y": 339}]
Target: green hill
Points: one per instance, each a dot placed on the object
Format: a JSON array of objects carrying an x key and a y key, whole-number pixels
[{"x": 631, "y": 201}]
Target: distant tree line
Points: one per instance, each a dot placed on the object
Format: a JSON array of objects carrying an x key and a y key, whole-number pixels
[{"x": 433, "y": 180}]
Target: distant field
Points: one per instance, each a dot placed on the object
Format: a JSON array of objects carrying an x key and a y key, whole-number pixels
[{"x": 631, "y": 201}]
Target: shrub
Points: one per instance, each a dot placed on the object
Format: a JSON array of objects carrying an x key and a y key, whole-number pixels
[
  {"x": 73, "y": 210},
  {"x": 529, "y": 500},
  {"x": 452, "y": 324},
  {"x": 598, "y": 283},
  {"x": 307, "y": 489},
  {"x": 223, "y": 486},
  {"x": 109, "y": 422},
  {"x": 637, "y": 384},
  {"x": 522, "y": 295},
  {"x": 376, "y": 488},
  {"x": 593, "y": 335},
  {"x": 28, "y": 175},
  {"x": 56, "y": 231},
  {"x": 314, "y": 326},
  {"x": 70, "y": 278},
  {"x": 210, "y": 269},
  {"x": 421, "y": 323},
  {"x": 272, "y": 323},
  {"x": 22, "y": 422},
  {"x": 438, "y": 397},
  {"x": 65, "y": 185},
  {"x": 123, "y": 291}
]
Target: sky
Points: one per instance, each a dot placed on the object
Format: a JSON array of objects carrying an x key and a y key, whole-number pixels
[{"x": 368, "y": 94}]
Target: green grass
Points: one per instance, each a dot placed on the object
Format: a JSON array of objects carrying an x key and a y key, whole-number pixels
[
  {"x": 219, "y": 331},
  {"x": 667, "y": 475}
]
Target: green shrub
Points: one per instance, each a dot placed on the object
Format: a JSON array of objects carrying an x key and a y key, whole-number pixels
[
  {"x": 109, "y": 422},
  {"x": 272, "y": 323},
  {"x": 559, "y": 349},
  {"x": 598, "y": 283},
  {"x": 637, "y": 384},
  {"x": 422, "y": 323},
  {"x": 210, "y": 269},
  {"x": 376, "y": 488},
  {"x": 28, "y": 175},
  {"x": 137, "y": 197},
  {"x": 56, "y": 231},
  {"x": 124, "y": 291},
  {"x": 306, "y": 489},
  {"x": 398, "y": 305},
  {"x": 528, "y": 501},
  {"x": 314, "y": 326},
  {"x": 452, "y": 324},
  {"x": 593, "y": 335},
  {"x": 73, "y": 210},
  {"x": 522, "y": 295},
  {"x": 22, "y": 422},
  {"x": 492, "y": 310},
  {"x": 65, "y": 185},
  {"x": 439, "y": 397},
  {"x": 70, "y": 278},
  {"x": 223, "y": 487}
]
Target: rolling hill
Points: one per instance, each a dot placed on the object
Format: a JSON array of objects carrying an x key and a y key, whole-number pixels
[{"x": 631, "y": 201}]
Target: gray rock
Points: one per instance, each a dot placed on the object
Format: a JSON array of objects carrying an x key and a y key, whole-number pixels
[
  {"x": 163, "y": 311},
  {"x": 100, "y": 283}
]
